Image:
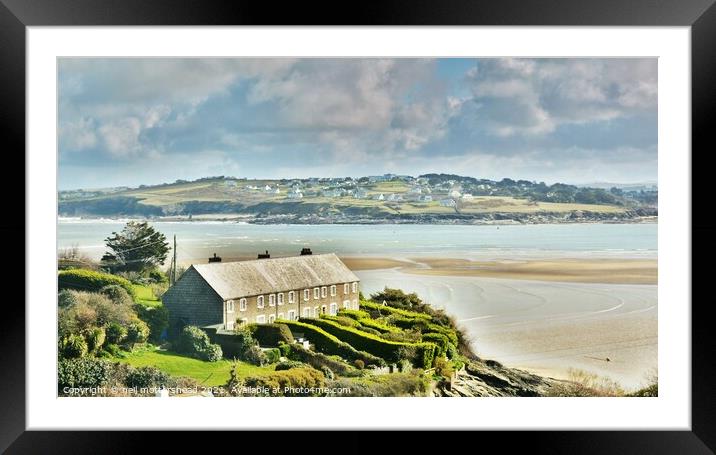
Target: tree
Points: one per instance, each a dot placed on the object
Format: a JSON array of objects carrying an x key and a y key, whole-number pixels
[{"x": 138, "y": 247}]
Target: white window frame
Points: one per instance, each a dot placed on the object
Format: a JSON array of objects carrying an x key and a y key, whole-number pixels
[
  {"x": 279, "y": 299},
  {"x": 324, "y": 292},
  {"x": 229, "y": 306},
  {"x": 333, "y": 309},
  {"x": 291, "y": 315},
  {"x": 316, "y": 293},
  {"x": 355, "y": 287},
  {"x": 347, "y": 288},
  {"x": 244, "y": 320},
  {"x": 333, "y": 290},
  {"x": 229, "y": 324},
  {"x": 324, "y": 309},
  {"x": 272, "y": 299},
  {"x": 291, "y": 297},
  {"x": 315, "y": 311},
  {"x": 242, "y": 304},
  {"x": 347, "y": 304},
  {"x": 271, "y": 318},
  {"x": 261, "y": 319},
  {"x": 306, "y": 295},
  {"x": 355, "y": 304},
  {"x": 307, "y": 312},
  {"x": 260, "y": 301}
]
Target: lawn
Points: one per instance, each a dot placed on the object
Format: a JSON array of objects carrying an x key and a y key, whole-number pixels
[
  {"x": 145, "y": 296},
  {"x": 208, "y": 373}
]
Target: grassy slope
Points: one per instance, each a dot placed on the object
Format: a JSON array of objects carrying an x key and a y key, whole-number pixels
[
  {"x": 145, "y": 296},
  {"x": 208, "y": 373}
]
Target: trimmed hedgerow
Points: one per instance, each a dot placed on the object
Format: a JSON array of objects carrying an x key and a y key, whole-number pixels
[
  {"x": 91, "y": 281},
  {"x": 271, "y": 334},
  {"x": 355, "y": 314},
  {"x": 329, "y": 344},
  {"x": 379, "y": 326},
  {"x": 342, "y": 320},
  {"x": 440, "y": 340},
  {"x": 449, "y": 333},
  {"x": 319, "y": 360},
  {"x": 425, "y": 327},
  {"x": 388, "y": 350},
  {"x": 293, "y": 382},
  {"x": 375, "y": 308}
]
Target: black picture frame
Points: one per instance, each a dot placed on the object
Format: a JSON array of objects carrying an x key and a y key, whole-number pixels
[{"x": 700, "y": 15}]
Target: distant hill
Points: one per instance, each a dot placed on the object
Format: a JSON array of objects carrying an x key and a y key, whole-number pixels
[{"x": 428, "y": 196}]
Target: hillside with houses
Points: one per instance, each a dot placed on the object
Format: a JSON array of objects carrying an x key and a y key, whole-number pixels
[{"x": 388, "y": 198}]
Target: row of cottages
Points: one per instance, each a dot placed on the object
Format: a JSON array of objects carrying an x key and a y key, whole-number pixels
[{"x": 261, "y": 291}]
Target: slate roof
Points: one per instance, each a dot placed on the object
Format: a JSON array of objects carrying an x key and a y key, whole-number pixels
[{"x": 232, "y": 280}]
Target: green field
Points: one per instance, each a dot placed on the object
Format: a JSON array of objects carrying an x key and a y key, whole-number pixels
[
  {"x": 207, "y": 373},
  {"x": 145, "y": 296}
]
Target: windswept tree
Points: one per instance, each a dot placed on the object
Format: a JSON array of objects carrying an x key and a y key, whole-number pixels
[{"x": 137, "y": 248}]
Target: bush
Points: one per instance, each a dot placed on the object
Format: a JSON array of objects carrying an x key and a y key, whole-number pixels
[
  {"x": 290, "y": 364},
  {"x": 285, "y": 349},
  {"x": 157, "y": 276},
  {"x": 271, "y": 334},
  {"x": 66, "y": 298},
  {"x": 115, "y": 333},
  {"x": 318, "y": 360},
  {"x": 147, "y": 377},
  {"x": 404, "y": 336},
  {"x": 293, "y": 382},
  {"x": 117, "y": 294},
  {"x": 329, "y": 344},
  {"x": 95, "y": 339},
  {"x": 137, "y": 332},
  {"x": 195, "y": 342},
  {"x": 87, "y": 372},
  {"x": 73, "y": 347},
  {"x": 388, "y": 350},
  {"x": 113, "y": 350},
  {"x": 254, "y": 355},
  {"x": 88, "y": 280},
  {"x": 327, "y": 372},
  {"x": 342, "y": 320},
  {"x": 156, "y": 318},
  {"x": 443, "y": 367},
  {"x": 272, "y": 355},
  {"x": 359, "y": 364}
]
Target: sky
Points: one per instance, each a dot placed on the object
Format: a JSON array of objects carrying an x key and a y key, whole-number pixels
[{"x": 132, "y": 121}]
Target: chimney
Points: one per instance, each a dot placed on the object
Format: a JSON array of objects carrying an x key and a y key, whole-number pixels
[
  {"x": 215, "y": 259},
  {"x": 265, "y": 255},
  {"x": 306, "y": 252}
]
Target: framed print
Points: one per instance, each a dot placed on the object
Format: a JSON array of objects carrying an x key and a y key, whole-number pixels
[{"x": 452, "y": 226}]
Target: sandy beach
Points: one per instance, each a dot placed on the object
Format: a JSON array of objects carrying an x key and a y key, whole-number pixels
[{"x": 546, "y": 316}]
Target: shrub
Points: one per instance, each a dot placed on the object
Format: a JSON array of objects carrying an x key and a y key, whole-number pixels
[
  {"x": 342, "y": 320},
  {"x": 113, "y": 350},
  {"x": 289, "y": 364},
  {"x": 443, "y": 367},
  {"x": 388, "y": 350},
  {"x": 329, "y": 344},
  {"x": 73, "y": 347},
  {"x": 376, "y": 309},
  {"x": 255, "y": 356},
  {"x": 271, "y": 334},
  {"x": 117, "y": 294},
  {"x": 137, "y": 332},
  {"x": 285, "y": 349},
  {"x": 272, "y": 355},
  {"x": 293, "y": 382},
  {"x": 86, "y": 372},
  {"x": 405, "y": 336},
  {"x": 359, "y": 364},
  {"x": 451, "y": 351},
  {"x": 95, "y": 339},
  {"x": 147, "y": 377},
  {"x": 195, "y": 342},
  {"x": 158, "y": 289},
  {"x": 318, "y": 360},
  {"x": 355, "y": 314},
  {"x": 115, "y": 333},
  {"x": 156, "y": 318},
  {"x": 327, "y": 372},
  {"x": 66, "y": 298},
  {"x": 448, "y": 332},
  {"x": 157, "y": 276},
  {"x": 88, "y": 280}
]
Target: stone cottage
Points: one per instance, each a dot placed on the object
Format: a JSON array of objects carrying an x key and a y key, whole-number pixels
[{"x": 261, "y": 291}]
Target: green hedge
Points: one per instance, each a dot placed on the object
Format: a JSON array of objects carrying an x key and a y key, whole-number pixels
[
  {"x": 355, "y": 314},
  {"x": 271, "y": 334},
  {"x": 342, "y": 320},
  {"x": 91, "y": 281},
  {"x": 449, "y": 333},
  {"x": 424, "y": 327},
  {"x": 379, "y": 326},
  {"x": 319, "y": 360},
  {"x": 303, "y": 380},
  {"x": 388, "y": 350},
  {"x": 375, "y": 308},
  {"x": 329, "y": 344},
  {"x": 440, "y": 340}
]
